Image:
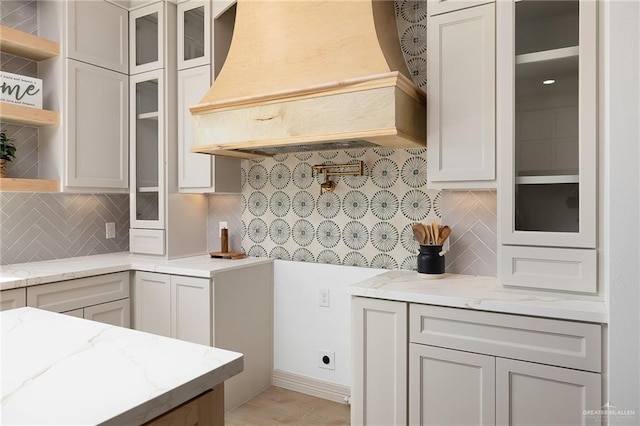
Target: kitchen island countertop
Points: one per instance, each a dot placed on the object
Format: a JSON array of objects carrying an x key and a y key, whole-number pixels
[
  {"x": 479, "y": 293},
  {"x": 34, "y": 273},
  {"x": 62, "y": 370}
]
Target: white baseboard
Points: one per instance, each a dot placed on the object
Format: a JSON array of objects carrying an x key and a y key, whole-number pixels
[{"x": 311, "y": 386}]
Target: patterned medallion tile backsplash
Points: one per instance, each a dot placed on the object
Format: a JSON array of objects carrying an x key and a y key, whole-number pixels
[{"x": 365, "y": 221}]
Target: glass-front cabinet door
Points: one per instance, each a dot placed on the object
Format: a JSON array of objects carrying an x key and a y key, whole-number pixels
[
  {"x": 194, "y": 34},
  {"x": 146, "y": 32},
  {"x": 147, "y": 155},
  {"x": 546, "y": 77}
]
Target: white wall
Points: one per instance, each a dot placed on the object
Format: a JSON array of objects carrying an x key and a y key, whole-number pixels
[
  {"x": 621, "y": 139},
  {"x": 301, "y": 327}
]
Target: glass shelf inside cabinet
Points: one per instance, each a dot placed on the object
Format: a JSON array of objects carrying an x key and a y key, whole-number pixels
[
  {"x": 546, "y": 141},
  {"x": 148, "y": 116}
]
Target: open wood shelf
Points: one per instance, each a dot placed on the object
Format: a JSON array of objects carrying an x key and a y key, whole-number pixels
[
  {"x": 25, "y": 45},
  {"x": 29, "y": 185},
  {"x": 20, "y": 114}
]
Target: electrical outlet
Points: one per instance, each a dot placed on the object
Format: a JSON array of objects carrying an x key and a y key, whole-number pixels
[
  {"x": 327, "y": 360},
  {"x": 222, "y": 225},
  {"x": 110, "y": 230},
  {"x": 324, "y": 298}
]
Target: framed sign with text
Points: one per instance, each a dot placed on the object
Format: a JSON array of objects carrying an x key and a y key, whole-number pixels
[{"x": 20, "y": 89}]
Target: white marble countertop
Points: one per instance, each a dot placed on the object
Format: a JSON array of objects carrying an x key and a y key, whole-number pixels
[
  {"x": 34, "y": 273},
  {"x": 62, "y": 370},
  {"x": 480, "y": 293}
]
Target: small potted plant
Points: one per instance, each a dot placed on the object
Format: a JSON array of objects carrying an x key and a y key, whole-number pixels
[{"x": 7, "y": 153}]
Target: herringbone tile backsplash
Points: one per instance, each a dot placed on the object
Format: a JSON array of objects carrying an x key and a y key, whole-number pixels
[
  {"x": 473, "y": 242},
  {"x": 54, "y": 226}
]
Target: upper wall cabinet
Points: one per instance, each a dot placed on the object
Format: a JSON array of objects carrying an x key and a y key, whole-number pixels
[
  {"x": 547, "y": 77},
  {"x": 146, "y": 29},
  {"x": 163, "y": 222},
  {"x": 88, "y": 83},
  {"x": 103, "y": 42},
  {"x": 461, "y": 87},
  {"x": 194, "y": 34},
  {"x": 147, "y": 150},
  {"x": 547, "y": 115},
  {"x": 201, "y": 173},
  {"x": 97, "y": 132}
]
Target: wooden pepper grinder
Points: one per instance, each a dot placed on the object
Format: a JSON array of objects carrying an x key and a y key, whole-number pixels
[{"x": 224, "y": 240}]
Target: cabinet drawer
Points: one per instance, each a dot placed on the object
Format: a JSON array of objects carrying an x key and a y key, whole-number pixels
[
  {"x": 74, "y": 294},
  {"x": 14, "y": 298},
  {"x": 548, "y": 268},
  {"x": 115, "y": 313},
  {"x": 547, "y": 341},
  {"x": 146, "y": 241}
]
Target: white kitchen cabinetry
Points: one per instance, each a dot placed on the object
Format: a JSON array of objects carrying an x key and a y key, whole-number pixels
[
  {"x": 98, "y": 34},
  {"x": 449, "y": 387},
  {"x": 534, "y": 394},
  {"x": 88, "y": 83},
  {"x": 14, "y": 298},
  {"x": 233, "y": 311},
  {"x": 103, "y": 298},
  {"x": 117, "y": 312},
  {"x": 462, "y": 92},
  {"x": 470, "y": 367},
  {"x": 173, "y": 306},
  {"x": 199, "y": 173},
  {"x": 163, "y": 221},
  {"x": 379, "y": 391},
  {"x": 97, "y": 131},
  {"x": 194, "y": 34},
  {"x": 190, "y": 304},
  {"x": 436, "y": 7},
  {"x": 147, "y": 150},
  {"x": 547, "y": 105},
  {"x": 152, "y": 303},
  {"x": 147, "y": 29}
]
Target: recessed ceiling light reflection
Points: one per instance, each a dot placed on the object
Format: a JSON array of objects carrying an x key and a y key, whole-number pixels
[{"x": 550, "y": 81}]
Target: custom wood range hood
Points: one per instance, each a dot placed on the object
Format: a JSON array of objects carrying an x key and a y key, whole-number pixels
[{"x": 309, "y": 75}]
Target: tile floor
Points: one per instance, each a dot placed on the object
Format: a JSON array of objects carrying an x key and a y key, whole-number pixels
[{"x": 277, "y": 406}]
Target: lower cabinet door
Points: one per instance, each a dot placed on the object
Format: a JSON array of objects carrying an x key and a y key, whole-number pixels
[
  {"x": 14, "y": 298},
  {"x": 78, "y": 313},
  {"x": 190, "y": 307},
  {"x": 152, "y": 303},
  {"x": 449, "y": 387},
  {"x": 535, "y": 394},
  {"x": 114, "y": 313},
  {"x": 379, "y": 345}
]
